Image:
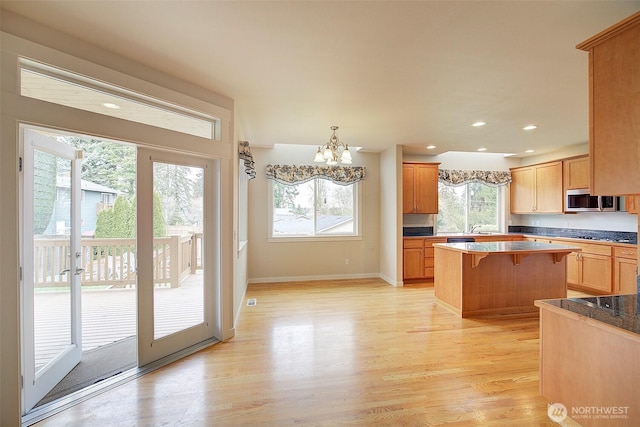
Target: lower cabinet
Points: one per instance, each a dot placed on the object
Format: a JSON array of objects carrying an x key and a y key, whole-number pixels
[
  {"x": 428, "y": 255},
  {"x": 624, "y": 270},
  {"x": 413, "y": 259},
  {"x": 418, "y": 259},
  {"x": 590, "y": 269}
]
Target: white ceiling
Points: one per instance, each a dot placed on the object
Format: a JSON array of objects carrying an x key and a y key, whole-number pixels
[{"x": 387, "y": 72}]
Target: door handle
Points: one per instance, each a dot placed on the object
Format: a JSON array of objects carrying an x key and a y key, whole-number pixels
[
  {"x": 63, "y": 271},
  {"x": 79, "y": 270}
]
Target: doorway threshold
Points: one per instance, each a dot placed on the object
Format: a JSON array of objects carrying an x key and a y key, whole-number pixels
[{"x": 46, "y": 410}]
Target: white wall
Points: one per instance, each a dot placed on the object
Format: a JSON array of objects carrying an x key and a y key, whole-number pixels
[
  {"x": 605, "y": 221},
  {"x": 240, "y": 227},
  {"x": 272, "y": 261},
  {"x": 467, "y": 161},
  {"x": 390, "y": 215}
]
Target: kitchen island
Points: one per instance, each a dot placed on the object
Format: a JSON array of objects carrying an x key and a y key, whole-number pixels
[
  {"x": 589, "y": 353},
  {"x": 491, "y": 278}
]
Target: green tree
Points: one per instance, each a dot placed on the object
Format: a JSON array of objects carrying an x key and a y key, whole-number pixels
[
  {"x": 176, "y": 185},
  {"x": 284, "y": 196},
  {"x": 107, "y": 163},
  {"x": 117, "y": 221},
  {"x": 120, "y": 220},
  {"x": 44, "y": 189},
  {"x": 159, "y": 229}
]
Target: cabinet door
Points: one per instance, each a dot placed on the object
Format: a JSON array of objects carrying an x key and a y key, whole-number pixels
[
  {"x": 595, "y": 272},
  {"x": 426, "y": 188},
  {"x": 548, "y": 198},
  {"x": 522, "y": 190},
  {"x": 614, "y": 115},
  {"x": 573, "y": 268},
  {"x": 413, "y": 263},
  {"x": 624, "y": 276},
  {"x": 576, "y": 173},
  {"x": 631, "y": 203},
  {"x": 408, "y": 192}
]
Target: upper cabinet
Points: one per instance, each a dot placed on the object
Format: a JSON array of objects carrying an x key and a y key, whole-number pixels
[
  {"x": 614, "y": 113},
  {"x": 420, "y": 188},
  {"x": 537, "y": 189},
  {"x": 576, "y": 173}
]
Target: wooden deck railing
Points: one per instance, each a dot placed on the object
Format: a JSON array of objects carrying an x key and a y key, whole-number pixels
[{"x": 112, "y": 261}]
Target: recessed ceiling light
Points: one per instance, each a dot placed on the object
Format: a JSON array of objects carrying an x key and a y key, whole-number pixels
[
  {"x": 530, "y": 151},
  {"x": 478, "y": 124},
  {"x": 482, "y": 149},
  {"x": 430, "y": 147},
  {"x": 530, "y": 127},
  {"x": 110, "y": 105}
]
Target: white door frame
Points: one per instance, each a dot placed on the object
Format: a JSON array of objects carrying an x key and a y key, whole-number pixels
[
  {"x": 149, "y": 348},
  {"x": 36, "y": 384}
]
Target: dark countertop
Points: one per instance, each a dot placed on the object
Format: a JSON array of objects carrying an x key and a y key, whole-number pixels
[
  {"x": 579, "y": 235},
  {"x": 621, "y": 311},
  {"x": 507, "y": 247}
]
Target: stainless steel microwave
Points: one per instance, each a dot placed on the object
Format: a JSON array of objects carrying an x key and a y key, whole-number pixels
[{"x": 581, "y": 201}]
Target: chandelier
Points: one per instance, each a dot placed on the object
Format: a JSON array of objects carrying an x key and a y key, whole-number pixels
[{"x": 333, "y": 151}]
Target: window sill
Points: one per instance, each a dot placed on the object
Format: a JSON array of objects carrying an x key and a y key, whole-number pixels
[{"x": 312, "y": 239}]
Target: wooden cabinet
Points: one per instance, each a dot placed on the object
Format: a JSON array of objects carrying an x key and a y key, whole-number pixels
[
  {"x": 429, "y": 259},
  {"x": 624, "y": 270},
  {"x": 576, "y": 173},
  {"x": 632, "y": 204},
  {"x": 522, "y": 190},
  {"x": 590, "y": 269},
  {"x": 537, "y": 188},
  {"x": 420, "y": 188},
  {"x": 614, "y": 116},
  {"x": 413, "y": 259},
  {"x": 417, "y": 257}
]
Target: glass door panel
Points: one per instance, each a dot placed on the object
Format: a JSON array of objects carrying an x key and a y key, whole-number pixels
[
  {"x": 176, "y": 272},
  {"x": 51, "y": 262},
  {"x": 178, "y": 292}
]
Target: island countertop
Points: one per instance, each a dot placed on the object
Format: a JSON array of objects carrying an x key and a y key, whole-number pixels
[
  {"x": 517, "y": 249},
  {"x": 619, "y": 311},
  {"x": 507, "y": 247},
  {"x": 488, "y": 278}
]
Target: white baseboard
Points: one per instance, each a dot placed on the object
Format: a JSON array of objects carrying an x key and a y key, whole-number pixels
[{"x": 310, "y": 278}]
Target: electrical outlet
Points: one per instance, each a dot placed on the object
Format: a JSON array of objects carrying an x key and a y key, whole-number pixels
[{"x": 346, "y": 261}]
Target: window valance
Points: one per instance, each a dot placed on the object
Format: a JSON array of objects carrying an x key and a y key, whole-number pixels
[
  {"x": 459, "y": 177},
  {"x": 291, "y": 174},
  {"x": 245, "y": 154}
]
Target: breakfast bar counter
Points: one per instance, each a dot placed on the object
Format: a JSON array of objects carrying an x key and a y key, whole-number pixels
[
  {"x": 490, "y": 278},
  {"x": 589, "y": 353}
]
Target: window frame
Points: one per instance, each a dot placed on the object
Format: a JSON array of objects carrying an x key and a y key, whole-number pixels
[{"x": 357, "y": 217}]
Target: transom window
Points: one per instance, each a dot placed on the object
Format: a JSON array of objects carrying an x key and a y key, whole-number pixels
[
  {"x": 47, "y": 83},
  {"x": 318, "y": 207}
]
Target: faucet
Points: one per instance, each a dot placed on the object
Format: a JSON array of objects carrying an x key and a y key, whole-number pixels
[{"x": 472, "y": 229}]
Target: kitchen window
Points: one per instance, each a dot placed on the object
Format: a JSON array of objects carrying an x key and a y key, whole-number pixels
[{"x": 470, "y": 207}]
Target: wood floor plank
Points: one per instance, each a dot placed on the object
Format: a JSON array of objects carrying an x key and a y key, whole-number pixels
[{"x": 353, "y": 352}]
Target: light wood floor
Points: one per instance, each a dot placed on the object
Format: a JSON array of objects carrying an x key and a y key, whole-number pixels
[{"x": 356, "y": 352}]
